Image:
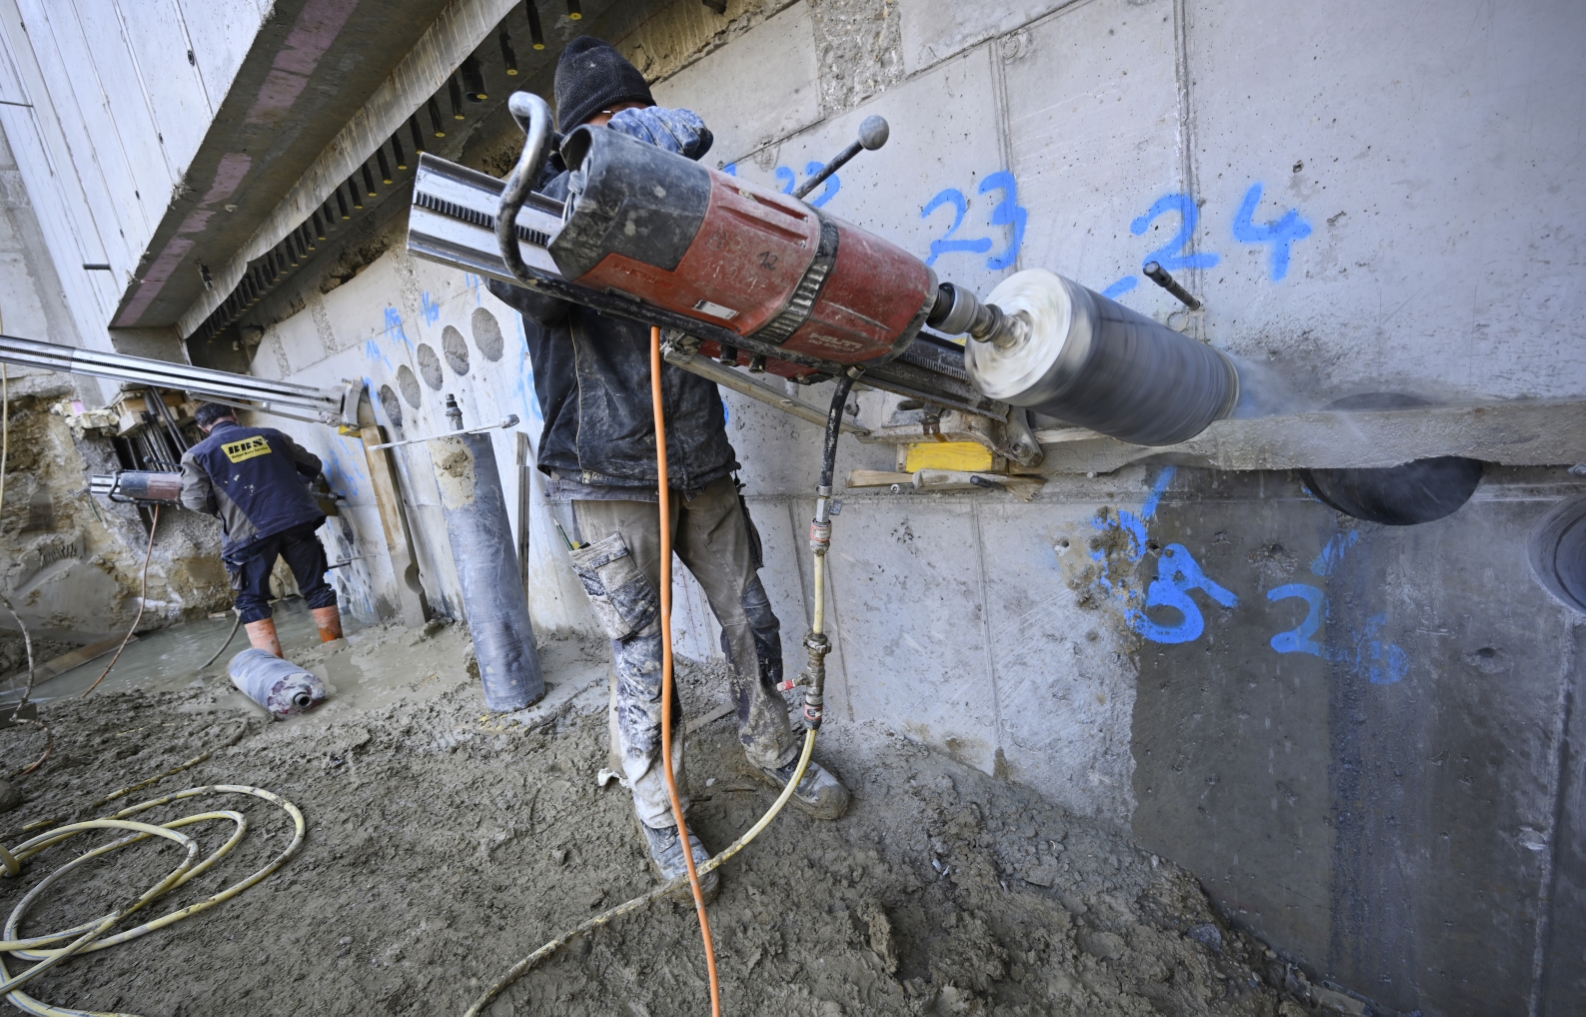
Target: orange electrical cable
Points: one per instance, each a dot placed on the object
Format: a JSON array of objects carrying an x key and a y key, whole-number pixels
[{"x": 666, "y": 666}]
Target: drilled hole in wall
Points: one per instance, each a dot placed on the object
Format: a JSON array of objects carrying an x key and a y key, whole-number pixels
[
  {"x": 455, "y": 349},
  {"x": 408, "y": 382},
  {"x": 1557, "y": 550},
  {"x": 430, "y": 367},
  {"x": 1416, "y": 492},
  {"x": 388, "y": 402},
  {"x": 487, "y": 334}
]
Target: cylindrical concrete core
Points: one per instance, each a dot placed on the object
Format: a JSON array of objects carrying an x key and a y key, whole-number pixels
[
  {"x": 1091, "y": 362},
  {"x": 143, "y": 485},
  {"x": 487, "y": 570}
]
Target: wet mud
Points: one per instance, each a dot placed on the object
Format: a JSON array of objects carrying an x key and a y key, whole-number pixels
[{"x": 443, "y": 845}]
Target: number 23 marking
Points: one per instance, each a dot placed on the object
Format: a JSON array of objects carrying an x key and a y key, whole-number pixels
[{"x": 1007, "y": 212}]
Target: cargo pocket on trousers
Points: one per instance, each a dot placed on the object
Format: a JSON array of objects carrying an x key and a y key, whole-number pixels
[{"x": 623, "y": 599}]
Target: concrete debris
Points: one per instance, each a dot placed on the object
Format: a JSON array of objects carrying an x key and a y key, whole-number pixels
[{"x": 442, "y": 848}]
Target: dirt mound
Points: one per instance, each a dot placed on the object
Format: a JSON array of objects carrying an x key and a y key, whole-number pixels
[{"x": 443, "y": 846}]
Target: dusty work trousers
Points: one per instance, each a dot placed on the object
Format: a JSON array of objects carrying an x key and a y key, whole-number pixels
[{"x": 710, "y": 535}]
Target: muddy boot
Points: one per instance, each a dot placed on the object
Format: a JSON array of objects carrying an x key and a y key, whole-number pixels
[
  {"x": 666, "y": 858},
  {"x": 261, "y": 634},
  {"x": 329, "y": 621},
  {"x": 820, "y": 794}
]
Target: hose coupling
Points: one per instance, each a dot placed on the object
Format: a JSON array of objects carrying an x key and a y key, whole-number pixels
[
  {"x": 817, "y": 646},
  {"x": 820, "y": 535}
]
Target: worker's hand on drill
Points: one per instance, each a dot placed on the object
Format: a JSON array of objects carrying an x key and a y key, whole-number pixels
[{"x": 676, "y": 130}]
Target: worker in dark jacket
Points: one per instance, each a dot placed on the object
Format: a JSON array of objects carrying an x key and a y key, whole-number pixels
[
  {"x": 256, "y": 480},
  {"x": 592, "y": 378}
]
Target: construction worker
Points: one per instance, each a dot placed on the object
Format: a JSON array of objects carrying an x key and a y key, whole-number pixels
[
  {"x": 592, "y": 379},
  {"x": 256, "y": 480}
]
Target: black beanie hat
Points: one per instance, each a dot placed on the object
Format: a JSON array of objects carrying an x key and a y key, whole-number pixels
[{"x": 591, "y": 76}]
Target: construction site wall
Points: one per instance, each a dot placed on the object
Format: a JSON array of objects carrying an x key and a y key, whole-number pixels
[{"x": 1357, "y": 736}]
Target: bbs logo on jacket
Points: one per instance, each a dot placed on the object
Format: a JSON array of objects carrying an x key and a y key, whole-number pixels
[{"x": 247, "y": 448}]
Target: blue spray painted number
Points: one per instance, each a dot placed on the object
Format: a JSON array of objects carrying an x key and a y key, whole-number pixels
[
  {"x": 1175, "y": 255},
  {"x": 1298, "y": 639},
  {"x": 1007, "y": 212},
  {"x": 1281, "y": 233},
  {"x": 1171, "y": 589},
  {"x": 947, "y": 244},
  {"x": 1378, "y": 661}
]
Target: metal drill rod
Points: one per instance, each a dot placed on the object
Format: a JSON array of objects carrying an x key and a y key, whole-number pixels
[
  {"x": 1157, "y": 274},
  {"x": 511, "y": 421},
  {"x": 872, "y": 135}
]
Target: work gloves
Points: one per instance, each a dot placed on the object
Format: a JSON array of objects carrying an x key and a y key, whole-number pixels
[{"x": 675, "y": 130}]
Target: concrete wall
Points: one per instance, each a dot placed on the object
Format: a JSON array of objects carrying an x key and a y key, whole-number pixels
[
  {"x": 1357, "y": 736},
  {"x": 121, "y": 95}
]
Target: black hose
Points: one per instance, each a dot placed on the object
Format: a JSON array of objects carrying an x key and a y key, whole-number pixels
[
  {"x": 834, "y": 428},
  {"x": 236, "y": 624}
]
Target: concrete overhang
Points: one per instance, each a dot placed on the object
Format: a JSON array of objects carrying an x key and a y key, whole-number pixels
[{"x": 313, "y": 63}]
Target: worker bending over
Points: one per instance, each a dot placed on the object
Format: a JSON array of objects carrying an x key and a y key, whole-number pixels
[
  {"x": 256, "y": 480},
  {"x": 592, "y": 379}
]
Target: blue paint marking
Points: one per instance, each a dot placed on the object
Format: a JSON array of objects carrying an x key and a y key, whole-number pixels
[
  {"x": 786, "y": 177},
  {"x": 372, "y": 350},
  {"x": 393, "y": 326},
  {"x": 1134, "y": 526},
  {"x": 1333, "y": 553},
  {"x": 474, "y": 283},
  {"x": 731, "y": 169},
  {"x": 1298, "y": 639},
  {"x": 1383, "y": 663},
  {"x": 1007, "y": 212},
  {"x": 1175, "y": 254},
  {"x": 1281, "y": 233},
  {"x": 1378, "y": 661},
  {"x": 1158, "y": 489},
  {"x": 946, "y": 243},
  {"x": 1120, "y": 287},
  {"x": 429, "y": 308},
  {"x": 1172, "y": 591}
]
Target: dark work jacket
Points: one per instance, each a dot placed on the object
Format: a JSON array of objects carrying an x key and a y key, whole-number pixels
[
  {"x": 255, "y": 479},
  {"x": 592, "y": 378}
]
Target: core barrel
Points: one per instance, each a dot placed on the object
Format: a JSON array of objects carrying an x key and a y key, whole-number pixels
[{"x": 1094, "y": 363}]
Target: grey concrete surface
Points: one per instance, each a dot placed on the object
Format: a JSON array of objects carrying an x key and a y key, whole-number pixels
[{"x": 1378, "y": 768}]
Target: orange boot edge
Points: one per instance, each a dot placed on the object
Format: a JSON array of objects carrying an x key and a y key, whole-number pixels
[
  {"x": 261, "y": 634},
  {"x": 329, "y": 621}
]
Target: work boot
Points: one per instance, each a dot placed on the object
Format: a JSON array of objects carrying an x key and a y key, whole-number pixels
[
  {"x": 820, "y": 794},
  {"x": 666, "y": 857},
  {"x": 329, "y": 621},
  {"x": 261, "y": 634}
]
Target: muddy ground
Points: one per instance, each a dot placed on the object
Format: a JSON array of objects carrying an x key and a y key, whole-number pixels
[{"x": 442, "y": 846}]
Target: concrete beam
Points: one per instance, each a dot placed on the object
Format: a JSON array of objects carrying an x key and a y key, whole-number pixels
[{"x": 1509, "y": 434}]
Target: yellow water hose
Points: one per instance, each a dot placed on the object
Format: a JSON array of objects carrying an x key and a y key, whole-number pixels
[
  {"x": 522, "y": 967},
  {"x": 87, "y": 935}
]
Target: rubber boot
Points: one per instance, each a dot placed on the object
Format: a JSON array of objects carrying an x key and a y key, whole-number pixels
[
  {"x": 329, "y": 621},
  {"x": 262, "y": 635}
]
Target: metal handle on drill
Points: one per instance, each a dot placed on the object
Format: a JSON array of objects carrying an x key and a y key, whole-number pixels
[
  {"x": 873, "y": 133},
  {"x": 534, "y": 116}
]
